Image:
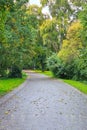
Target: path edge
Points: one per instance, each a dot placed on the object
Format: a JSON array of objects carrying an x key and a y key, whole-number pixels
[{"x": 11, "y": 94}]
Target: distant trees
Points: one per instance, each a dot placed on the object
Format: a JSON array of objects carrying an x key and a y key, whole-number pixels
[{"x": 30, "y": 39}]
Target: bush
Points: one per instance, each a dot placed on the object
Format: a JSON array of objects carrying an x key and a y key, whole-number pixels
[
  {"x": 54, "y": 64},
  {"x": 3, "y": 71},
  {"x": 59, "y": 68},
  {"x": 75, "y": 69},
  {"x": 68, "y": 70},
  {"x": 81, "y": 65},
  {"x": 15, "y": 72}
]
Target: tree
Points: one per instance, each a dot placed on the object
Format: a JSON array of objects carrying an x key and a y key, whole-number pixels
[
  {"x": 81, "y": 61},
  {"x": 49, "y": 32},
  {"x": 72, "y": 45},
  {"x": 4, "y": 11},
  {"x": 71, "y": 51},
  {"x": 78, "y": 3},
  {"x": 18, "y": 35},
  {"x": 61, "y": 10},
  {"x": 83, "y": 19}
]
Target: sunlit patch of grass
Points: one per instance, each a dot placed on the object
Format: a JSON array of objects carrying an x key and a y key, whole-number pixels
[
  {"x": 8, "y": 84},
  {"x": 77, "y": 84},
  {"x": 48, "y": 73}
]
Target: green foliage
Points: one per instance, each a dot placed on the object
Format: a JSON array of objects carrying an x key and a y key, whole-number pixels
[
  {"x": 15, "y": 72},
  {"x": 18, "y": 33},
  {"x": 61, "y": 10},
  {"x": 39, "y": 60},
  {"x": 54, "y": 64},
  {"x": 50, "y": 37},
  {"x": 6, "y": 4},
  {"x": 59, "y": 68},
  {"x": 81, "y": 65},
  {"x": 72, "y": 45},
  {"x": 28, "y": 38},
  {"x": 67, "y": 70},
  {"x": 70, "y": 60},
  {"x": 83, "y": 19},
  {"x": 70, "y": 51},
  {"x": 34, "y": 10},
  {"x": 79, "y": 3}
]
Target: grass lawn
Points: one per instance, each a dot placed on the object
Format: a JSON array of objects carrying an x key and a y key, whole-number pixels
[
  {"x": 7, "y": 85},
  {"x": 77, "y": 84},
  {"x": 48, "y": 73}
]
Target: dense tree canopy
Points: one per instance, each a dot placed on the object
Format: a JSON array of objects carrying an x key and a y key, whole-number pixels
[
  {"x": 18, "y": 34},
  {"x": 29, "y": 38},
  {"x": 72, "y": 45},
  {"x": 50, "y": 34}
]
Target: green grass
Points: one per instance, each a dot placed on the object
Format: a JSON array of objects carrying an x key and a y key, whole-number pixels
[
  {"x": 48, "y": 73},
  {"x": 7, "y": 85},
  {"x": 77, "y": 84}
]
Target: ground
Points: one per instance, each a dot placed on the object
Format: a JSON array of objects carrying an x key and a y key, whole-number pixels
[{"x": 43, "y": 103}]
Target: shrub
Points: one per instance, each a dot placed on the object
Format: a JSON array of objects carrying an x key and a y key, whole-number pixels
[
  {"x": 81, "y": 65},
  {"x": 54, "y": 64},
  {"x": 65, "y": 70},
  {"x": 68, "y": 70},
  {"x": 74, "y": 69},
  {"x": 15, "y": 72}
]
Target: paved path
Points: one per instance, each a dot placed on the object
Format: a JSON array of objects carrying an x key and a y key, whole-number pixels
[{"x": 44, "y": 104}]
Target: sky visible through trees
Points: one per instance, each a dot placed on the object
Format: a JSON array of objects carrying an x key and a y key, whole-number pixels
[{"x": 35, "y": 2}]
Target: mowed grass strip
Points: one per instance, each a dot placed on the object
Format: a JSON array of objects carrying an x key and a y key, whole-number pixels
[
  {"x": 7, "y": 85},
  {"x": 78, "y": 85}
]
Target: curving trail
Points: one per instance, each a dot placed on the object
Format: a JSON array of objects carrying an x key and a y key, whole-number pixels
[{"x": 43, "y": 103}]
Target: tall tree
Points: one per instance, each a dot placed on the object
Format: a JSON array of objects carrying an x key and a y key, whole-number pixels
[
  {"x": 49, "y": 31},
  {"x": 59, "y": 9},
  {"x": 19, "y": 35},
  {"x": 73, "y": 44}
]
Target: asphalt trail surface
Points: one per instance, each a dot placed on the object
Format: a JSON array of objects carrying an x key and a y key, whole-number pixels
[{"x": 43, "y": 104}]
